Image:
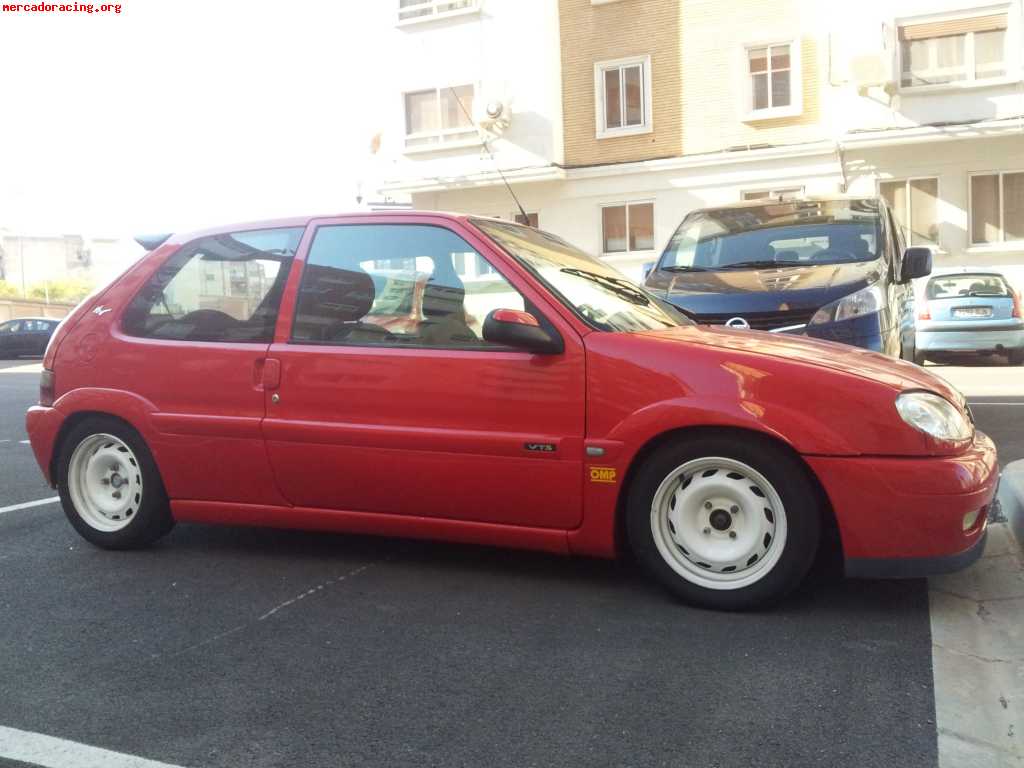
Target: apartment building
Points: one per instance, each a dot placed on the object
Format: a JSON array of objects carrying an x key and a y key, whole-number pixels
[
  {"x": 617, "y": 117},
  {"x": 29, "y": 260}
]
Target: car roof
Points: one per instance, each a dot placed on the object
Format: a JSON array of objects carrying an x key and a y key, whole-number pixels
[
  {"x": 958, "y": 271},
  {"x": 180, "y": 238},
  {"x": 761, "y": 202},
  {"x": 47, "y": 319}
]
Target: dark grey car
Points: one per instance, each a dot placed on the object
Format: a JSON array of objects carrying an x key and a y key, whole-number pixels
[{"x": 26, "y": 336}]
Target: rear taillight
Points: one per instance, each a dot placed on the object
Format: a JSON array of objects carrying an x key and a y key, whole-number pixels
[
  {"x": 47, "y": 386},
  {"x": 925, "y": 312},
  {"x": 1016, "y": 305}
]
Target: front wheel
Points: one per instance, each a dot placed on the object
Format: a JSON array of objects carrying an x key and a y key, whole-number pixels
[
  {"x": 728, "y": 523},
  {"x": 110, "y": 487}
]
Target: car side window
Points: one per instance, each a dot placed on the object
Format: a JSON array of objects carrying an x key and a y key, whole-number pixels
[
  {"x": 398, "y": 285},
  {"x": 11, "y": 327},
  {"x": 225, "y": 287}
]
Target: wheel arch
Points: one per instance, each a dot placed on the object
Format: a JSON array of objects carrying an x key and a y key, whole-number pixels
[{"x": 830, "y": 526}]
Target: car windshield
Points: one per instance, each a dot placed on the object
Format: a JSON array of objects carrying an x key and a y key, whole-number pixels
[
  {"x": 605, "y": 298},
  {"x": 957, "y": 286},
  {"x": 775, "y": 234}
]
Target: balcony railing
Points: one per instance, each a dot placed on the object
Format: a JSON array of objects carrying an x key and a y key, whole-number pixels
[{"x": 411, "y": 11}]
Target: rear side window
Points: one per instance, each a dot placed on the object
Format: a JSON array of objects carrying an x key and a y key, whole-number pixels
[
  {"x": 397, "y": 285},
  {"x": 224, "y": 287}
]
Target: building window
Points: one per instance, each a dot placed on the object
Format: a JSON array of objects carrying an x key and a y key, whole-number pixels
[
  {"x": 411, "y": 11},
  {"x": 439, "y": 117},
  {"x": 997, "y": 208},
  {"x": 782, "y": 193},
  {"x": 952, "y": 51},
  {"x": 530, "y": 220},
  {"x": 627, "y": 227},
  {"x": 623, "y": 90},
  {"x": 915, "y": 203},
  {"x": 774, "y": 80}
]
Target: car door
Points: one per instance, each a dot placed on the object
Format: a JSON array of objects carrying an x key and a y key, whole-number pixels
[
  {"x": 35, "y": 337},
  {"x": 10, "y": 338},
  {"x": 192, "y": 342},
  {"x": 391, "y": 402}
]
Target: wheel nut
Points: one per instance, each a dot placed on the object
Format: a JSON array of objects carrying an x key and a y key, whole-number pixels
[
  {"x": 707, "y": 505},
  {"x": 732, "y": 534},
  {"x": 707, "y": 531},
  {"x": 734, "y": 509},
  {"x": 117, "y": 494}
]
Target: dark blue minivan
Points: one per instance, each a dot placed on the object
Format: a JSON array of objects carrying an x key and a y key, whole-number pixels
[{"x": 833, "y": 268}]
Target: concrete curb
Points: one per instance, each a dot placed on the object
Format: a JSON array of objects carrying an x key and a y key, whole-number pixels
[{"x": 1011, "y": 499}]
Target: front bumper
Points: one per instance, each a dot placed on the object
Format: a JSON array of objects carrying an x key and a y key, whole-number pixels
[{"x": 905, "y": 517}]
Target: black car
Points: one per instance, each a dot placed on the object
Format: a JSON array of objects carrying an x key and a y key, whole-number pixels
[
  {"x": 833, "y": 268},
  {"x": 26, "y": 336}
]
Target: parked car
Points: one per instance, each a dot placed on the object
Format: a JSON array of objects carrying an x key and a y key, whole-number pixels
[
  {"x": 25, "y": 336},
  {"x": 833, "y": 268},
  {"x": 257, "y": 375},
  {"x": 970, "y": 311}
]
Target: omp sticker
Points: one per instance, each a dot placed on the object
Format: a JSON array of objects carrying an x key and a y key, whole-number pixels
[{"x": 602, "y": 474}]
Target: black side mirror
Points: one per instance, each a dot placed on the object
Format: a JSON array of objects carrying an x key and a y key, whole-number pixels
[
  {"x": 521, "y": 330},
  {"x": 917, "y": 262}
]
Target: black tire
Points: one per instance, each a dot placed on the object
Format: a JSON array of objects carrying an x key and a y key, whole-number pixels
[
  {"x": 150, "y": 516},
  {"x": 791, "y": 481},
  {"x": 919, "y": 358},
  {"x": 1015, "y": 356}
]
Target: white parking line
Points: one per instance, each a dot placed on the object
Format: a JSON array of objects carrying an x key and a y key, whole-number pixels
[
  {"x": 30, "y": 504},
  {"x": 51, "y": 752},
  {"x": 975, "y": 404},
  {"x": 23, "y": 442}
]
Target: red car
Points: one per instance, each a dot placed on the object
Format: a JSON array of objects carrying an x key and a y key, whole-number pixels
[{"x": 449, "y": 377}]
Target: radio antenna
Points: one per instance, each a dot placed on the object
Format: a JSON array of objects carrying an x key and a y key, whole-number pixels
[{"x": 483, "y": 143}]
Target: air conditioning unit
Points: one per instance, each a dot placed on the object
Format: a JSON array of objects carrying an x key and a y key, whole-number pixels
[{"x": 872, "y": 71}]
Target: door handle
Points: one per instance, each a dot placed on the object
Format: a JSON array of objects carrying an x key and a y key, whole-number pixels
[{"x": 268, "y": 373}]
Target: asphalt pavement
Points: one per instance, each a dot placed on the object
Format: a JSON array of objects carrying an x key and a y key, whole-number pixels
[{"x": 231, "y": 647}]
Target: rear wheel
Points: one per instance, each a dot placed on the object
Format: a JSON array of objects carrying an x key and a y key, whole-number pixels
[
  {"x": 109, "y": 485},
  {"x": 919, "y": 358},
  {"x": 724, "y": 523}
]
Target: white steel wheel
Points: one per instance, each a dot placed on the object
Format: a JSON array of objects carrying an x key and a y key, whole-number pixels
[
  {"x": 104, "y": 481},
  {"x": 718, "y": 523}
]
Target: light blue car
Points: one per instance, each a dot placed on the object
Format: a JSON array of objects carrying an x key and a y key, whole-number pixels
[{"x": 974, "y": 311}]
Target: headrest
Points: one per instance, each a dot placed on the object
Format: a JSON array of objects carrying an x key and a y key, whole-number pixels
[{"x": 338, "y": 294}]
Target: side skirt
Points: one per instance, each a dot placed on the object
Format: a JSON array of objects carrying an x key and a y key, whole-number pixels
[{"x": 372, "y": 523}]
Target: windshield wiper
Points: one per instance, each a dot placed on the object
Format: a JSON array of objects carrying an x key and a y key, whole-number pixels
[
  {"x": 616, "y": 285},
  {"x": 681, "y": 268},
  {"x": 760, "y": 264}
]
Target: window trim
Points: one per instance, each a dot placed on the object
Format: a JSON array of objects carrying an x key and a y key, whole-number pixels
[
  {"x": 796, "y": 82},
  {"x": 472, "y": 138},
  {"x": 909, "y": 228},
  {"x": 614, "y": 255},
  {"x": 647, "y": 126},
  {"x": 1012, "y": 62},
  {"x": 435, "y": 15},
  {"x": 470, "y": 348},
  {"x": 1002, "y": 243}
]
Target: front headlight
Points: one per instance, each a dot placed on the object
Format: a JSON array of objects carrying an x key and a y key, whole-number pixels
[
  {"x": 862, "y": 302},
  {"x": 933, "y": 415}
]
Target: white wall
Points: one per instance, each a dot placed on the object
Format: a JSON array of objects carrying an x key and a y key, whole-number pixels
[
  {"x": 510, "y": 50},
  {"x": 572, "y": 209}
]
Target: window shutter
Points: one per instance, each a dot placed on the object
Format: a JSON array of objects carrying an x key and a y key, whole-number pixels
[{"x": 953, "y": 27}]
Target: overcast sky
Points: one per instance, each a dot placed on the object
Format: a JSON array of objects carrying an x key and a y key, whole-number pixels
[{"x": 177, "y": 114}]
